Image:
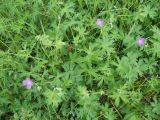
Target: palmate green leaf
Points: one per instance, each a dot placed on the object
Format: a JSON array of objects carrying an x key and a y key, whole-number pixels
[
  {"x": 129, "y": 67},
  {"x": 147, "y": 10},
  {"x": 93, "y": 53},
  {"x": 156, "y": 33},
  {"x": 54, "y": 97},
  {"x": 120, "y": 94},
  {"x": 106, "y": 46},
  {"x": 73, "y": 72},
  {"x": 67, "y": 9},
  {"x": 88, "y": 104},
  {"x": 156, "y": 48},
  {"x": 150, "y": 64}
]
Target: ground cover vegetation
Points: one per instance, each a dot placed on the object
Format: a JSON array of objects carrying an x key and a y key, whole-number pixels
[{"x": 79, "y": 59}]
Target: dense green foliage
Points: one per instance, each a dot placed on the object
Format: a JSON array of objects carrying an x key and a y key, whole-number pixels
[{"x": 80, "y": 71}]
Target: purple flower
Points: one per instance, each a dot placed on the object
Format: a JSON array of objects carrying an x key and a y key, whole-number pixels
[
  {"x": 100, "y": 22},
  {"x": 27, "y": 83},
  {"x": 141, "y": 41}
]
